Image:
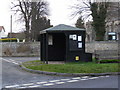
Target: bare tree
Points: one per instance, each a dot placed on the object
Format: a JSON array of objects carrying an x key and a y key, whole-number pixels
[
  {"x": 28, "y": 9},
  {"x": 82, "y": 9},
  {"x": 24, "y": 9}
]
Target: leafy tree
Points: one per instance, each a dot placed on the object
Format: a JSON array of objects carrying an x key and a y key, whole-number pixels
[
  {"x": 38, "y": 25},
  {"x": 79, "y": 23},
  {"x": 98, "y": 11},
  {"x": 38, "y": 20}
]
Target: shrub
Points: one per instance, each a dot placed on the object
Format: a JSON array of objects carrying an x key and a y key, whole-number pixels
[{"x": 109, "y": 61}]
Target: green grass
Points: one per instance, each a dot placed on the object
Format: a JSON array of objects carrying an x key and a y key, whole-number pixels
[{"x": 80, "y": 67}]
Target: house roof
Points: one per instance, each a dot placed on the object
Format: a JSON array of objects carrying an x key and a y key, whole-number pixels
[
  {"x": 17, "y": 35},
  {"x": 12, "y": 35},
  {"x": 62, "y": 27},
  {"x": 2, "y": 28}
]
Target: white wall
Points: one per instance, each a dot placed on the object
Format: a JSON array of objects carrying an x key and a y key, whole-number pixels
[{"x": 2, "y": 34}]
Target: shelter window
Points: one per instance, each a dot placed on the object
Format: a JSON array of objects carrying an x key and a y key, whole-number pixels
[
  {"x": 112, "y": 36},
  {"x": 50, "y": 40}
]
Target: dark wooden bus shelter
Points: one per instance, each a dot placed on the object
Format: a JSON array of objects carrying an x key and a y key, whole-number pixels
[{"x": 63, "y": 43}]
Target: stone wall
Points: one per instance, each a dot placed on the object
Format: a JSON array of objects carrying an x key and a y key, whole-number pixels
[
  {"x": 105, "y": 49},
  {"x": 20, "y": 49},
  {"x": 33, "y": 49},
  {"x": 101, "y": 45}
]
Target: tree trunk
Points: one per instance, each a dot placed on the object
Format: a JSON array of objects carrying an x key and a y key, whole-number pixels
[{"x": 27, "y": 31}]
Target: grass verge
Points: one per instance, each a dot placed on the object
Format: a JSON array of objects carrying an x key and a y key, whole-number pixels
[{"x": 79, "y": 67}]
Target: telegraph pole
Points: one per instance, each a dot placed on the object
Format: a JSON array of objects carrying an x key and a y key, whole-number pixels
[{"x": 10, "y": 27}]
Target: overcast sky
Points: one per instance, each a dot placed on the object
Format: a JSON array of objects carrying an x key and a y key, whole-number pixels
[
  {"x": 60, "y": 11},
  {"x": 4, "y": 14},
  {"x": 59, "y": 14}
]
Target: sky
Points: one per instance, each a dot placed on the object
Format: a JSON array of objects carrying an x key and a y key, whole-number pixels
[
  {"x": 60, "y": 13},
  {"x": 5, "y": 14}
]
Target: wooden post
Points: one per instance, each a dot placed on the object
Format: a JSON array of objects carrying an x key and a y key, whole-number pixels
[
  {"x": 118, "y": 32},
  {"x": 46, "y": 48},
  {"x": 119, "y": 46}
]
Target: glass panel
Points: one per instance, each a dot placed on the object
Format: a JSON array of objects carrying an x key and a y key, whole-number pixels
[
  {"x": 113, "y": 37},
  {"x": 50, "y": 40},
  {"x": 79, "y": 45}
]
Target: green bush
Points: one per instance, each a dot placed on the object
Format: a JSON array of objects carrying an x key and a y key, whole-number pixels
[{"x": 109, "y": 61}]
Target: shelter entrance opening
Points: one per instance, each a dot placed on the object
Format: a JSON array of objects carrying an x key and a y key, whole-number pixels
[{"x": 56, "y": 47}]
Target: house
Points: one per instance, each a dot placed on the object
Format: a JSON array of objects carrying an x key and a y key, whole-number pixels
[
  {"x": 20, "y": 36},
  {"x": 2, "y": 32},
  {"x": 113, "y": 22},
  {"x": 112, "y": 25}
]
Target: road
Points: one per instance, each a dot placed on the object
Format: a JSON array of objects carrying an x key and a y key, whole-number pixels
[{"x": 14, "y": 77}]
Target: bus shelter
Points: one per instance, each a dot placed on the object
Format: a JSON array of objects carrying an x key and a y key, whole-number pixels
[{"x": 63, "y": 43}]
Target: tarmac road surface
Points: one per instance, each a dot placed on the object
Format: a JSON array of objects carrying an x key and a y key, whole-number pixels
[{"x": 14, "y": 77}]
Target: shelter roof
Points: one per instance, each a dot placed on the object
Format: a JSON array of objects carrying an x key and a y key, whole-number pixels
[{"x": 62, "y": 27}]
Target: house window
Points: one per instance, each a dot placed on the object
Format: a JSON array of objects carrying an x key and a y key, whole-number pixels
[{"x": 112, "y": 36}]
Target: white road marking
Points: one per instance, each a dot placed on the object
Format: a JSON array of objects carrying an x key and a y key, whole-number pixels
[
  {"x": 34, "y": 86},
  {"x": 73, "y": 81},
  {"x": 10, "y": 61},
  {"x": 28, "y": 84},
  {"x": 15, "y": 63},
  {"x": 48, "y": 84},
  {"x": 77, "y": 78},
  {"x": 6, "y": 60},
  {"x": 54, "y": 81},
  {"x": 107, "y": 76},
  {"x": 41, "y": 82},
  {"x": 12, "y": 86},
  {"x": 59, "y": 82},
  {"x": 85, "y": 77},
  {"x": 93, "y": 78}
]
